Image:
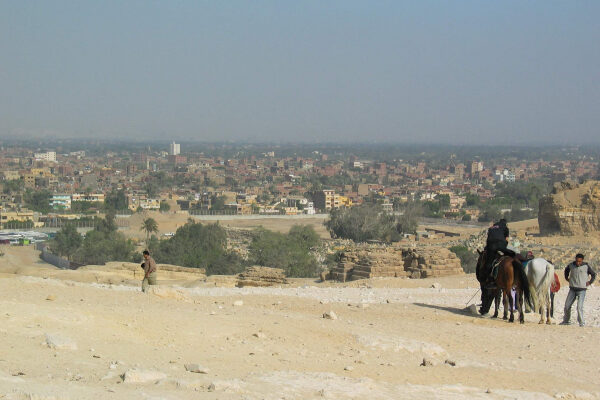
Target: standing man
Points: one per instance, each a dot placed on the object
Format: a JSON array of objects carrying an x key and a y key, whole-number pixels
[
  {"x": 576, "y": 274},
  {"x": 149, "y": 266}
]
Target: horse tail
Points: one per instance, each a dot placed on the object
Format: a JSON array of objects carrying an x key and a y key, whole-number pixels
[
  {"x": 543, "y": 288},
  {"x": 535, "y": 299},
  {"x": 527, "y": 292},
  {"x": 529, "y": 271}
]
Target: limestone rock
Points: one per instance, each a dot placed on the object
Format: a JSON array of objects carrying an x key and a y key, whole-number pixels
[
  {"x": 60, "y": 342},
  {"x": 428, "y": 362},
  {"x": 238, "y": 303},
  {"x": 196, "y": 368},
  {"x": 330, "y": 315},
  {"x": 571, "y": 209},
  {"x": 142, "y": 376}
]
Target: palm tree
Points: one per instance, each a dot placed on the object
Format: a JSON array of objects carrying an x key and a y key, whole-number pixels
[{"x": 150, "y": 226}]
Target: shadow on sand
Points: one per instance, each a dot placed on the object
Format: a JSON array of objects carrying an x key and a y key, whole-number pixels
[{"x": 453, "y": 310}]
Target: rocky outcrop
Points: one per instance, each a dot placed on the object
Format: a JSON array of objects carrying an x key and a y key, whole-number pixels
[
  {"x": 571, "y": 209},
  {"x": 432, "y": 262},
  {"x": 395, "y": 262},
  {"x": 261, "y": 276}
]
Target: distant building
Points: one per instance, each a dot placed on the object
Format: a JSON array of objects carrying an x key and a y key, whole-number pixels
[
  {"x": 325, "y": 200},
  {"x": 174, "y": 149},
  {"x": 47, "y": 156},
  {"x": 476, "y": 167},
  {"x": 93, "y": 197},
  {"x": 141, "y": 201},
  {"x": 177, "y": 159},
  {"x": 20, "y": 216},
  {"x": 61, "y": 202},
  {"x": 505, "y": 176},
  {"x": 310, "y": 208}
]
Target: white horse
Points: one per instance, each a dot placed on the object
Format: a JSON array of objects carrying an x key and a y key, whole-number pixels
[{"x": 540, "y": 274}]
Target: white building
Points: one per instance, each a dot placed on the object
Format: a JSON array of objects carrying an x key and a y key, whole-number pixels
[
  {"x": 310, "y": 208},
  {"x": 505, "y": 176},
  {"x": 174, "y": 149},
  {"x": 48, "y": 156},
  {"x": 61, "y": 202}
]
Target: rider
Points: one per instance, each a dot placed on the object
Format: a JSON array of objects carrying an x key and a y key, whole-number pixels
[{"x": 497, "y": 240}]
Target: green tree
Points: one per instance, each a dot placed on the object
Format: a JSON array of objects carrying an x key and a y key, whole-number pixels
[
  {"x": 217, "y": 203},
  {"x": 196, "y": 245},
  {"x": 116, "y": 200},
  {"x": 443, "y": 200},
  {"x": 290, "y": 252},
  {"x": 408, "y": 222},
  {"x": 151, "y": 189},
  {"x": 150, "y": 226},
  {"x": 164, "y": 206},
  {"x": 67, "y": 241},
  {"x": 107, "y": 224},
  {"x": 13, "y": 186},
  {"x": 305, "y": 235},
  {"x": 362, "y": 223},
  {"x": 490, "y": 213},
  {"x": 472, "y": 199},
  {"x": 104, "y": 243},
  {"x": 38, "y": 200}
]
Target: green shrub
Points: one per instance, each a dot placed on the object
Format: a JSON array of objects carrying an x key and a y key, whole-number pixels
[
  {"x": 362, "y": 223},
  {"x": 468, "y": 259},
  {"x": 196, "y": 245},
  {"x": 290, "y": 252}
]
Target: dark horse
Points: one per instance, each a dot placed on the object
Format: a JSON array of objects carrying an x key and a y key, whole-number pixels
[{"x": 510, "y": 274}]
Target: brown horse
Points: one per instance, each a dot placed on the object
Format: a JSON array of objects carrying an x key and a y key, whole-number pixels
[{"x": 510, "y": 274}]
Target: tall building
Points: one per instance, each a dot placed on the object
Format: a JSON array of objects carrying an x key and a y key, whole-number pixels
[{"x": 174, "y": 149}]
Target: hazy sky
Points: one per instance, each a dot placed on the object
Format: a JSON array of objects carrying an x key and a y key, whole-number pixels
[{"x": 419, "y": 71}]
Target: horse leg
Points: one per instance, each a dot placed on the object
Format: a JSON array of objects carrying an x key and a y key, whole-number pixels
[
  {"x": 548, "y": 320},
  {"x": 505, "y": 304},
  {"x": 541, "y": 301},
  {"x": 520, "y": 306},
  {"x": 496, "y": 304},
  {"x": 512, "y": 313}
]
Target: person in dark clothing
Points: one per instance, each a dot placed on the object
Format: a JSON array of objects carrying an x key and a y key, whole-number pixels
[
  {"x": 497, "y": 240},
  {"x": 577, "y": 274}
]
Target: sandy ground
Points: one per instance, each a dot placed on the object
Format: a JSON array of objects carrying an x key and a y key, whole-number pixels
[{"x": 67, "y": 335}]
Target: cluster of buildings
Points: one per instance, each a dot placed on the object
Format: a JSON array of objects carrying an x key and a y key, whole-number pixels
[{"x": 254, "y": 182}]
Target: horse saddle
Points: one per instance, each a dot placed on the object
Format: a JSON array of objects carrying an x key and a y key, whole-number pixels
[{"x": 495, "y": 267}]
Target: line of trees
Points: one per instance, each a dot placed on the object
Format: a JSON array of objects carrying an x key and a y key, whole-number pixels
[
  {"x": 100, "y": 245},
  {"x": 370, "y": 222}
]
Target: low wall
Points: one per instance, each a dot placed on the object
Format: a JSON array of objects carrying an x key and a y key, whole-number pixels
[{"x": 54, "y": 259}]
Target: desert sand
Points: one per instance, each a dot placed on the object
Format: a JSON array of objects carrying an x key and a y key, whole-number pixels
[{"x": 91, "y": 334}]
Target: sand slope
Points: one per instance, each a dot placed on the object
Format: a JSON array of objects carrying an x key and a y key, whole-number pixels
[{"x": 62, "y": 339}]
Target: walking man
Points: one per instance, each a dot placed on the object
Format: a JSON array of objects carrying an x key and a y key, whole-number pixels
[
  {"x": 149, "y": 266},
  {"x": 576, "y": 274}
]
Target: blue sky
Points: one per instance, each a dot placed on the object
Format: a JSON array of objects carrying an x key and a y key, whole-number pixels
[{"x": 334, "y": 71}]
